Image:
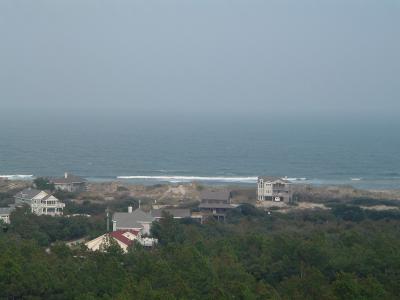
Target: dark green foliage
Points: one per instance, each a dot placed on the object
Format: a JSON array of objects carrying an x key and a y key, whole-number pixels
[
  {"x": 64, "y": 195},
  {"x": 47, "y": 229},
  {"x": 250, "y": 210},
  {"x": 384, "y": 214},
  {"x": 356, "y": 214},
  {"x": 42, "y": 183},
  {"x": 85, "y": 207},
  {"x": 96, "y": 208},
  {"x": 349, "y": 213},
  {"x": 6, "y": 199},
  {"x": 167, "y": 230},
  {"x": 343, "y": 254},
  {"x": 372, "y": 202},
  {"x": 348, "y": 287}
]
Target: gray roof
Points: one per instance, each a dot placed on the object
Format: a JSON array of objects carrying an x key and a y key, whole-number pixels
[
  {"x": 215, "y": 205},
  {"x": 68, "y": 179},
  {"x": 7, "y": 210},
  {"x": 175, "y": 212},
  {"x": 132, "y": 220},
  {"x": 28, "y": 193},
  {"x": 31, "y": 193},
  {"x": 273, "y": 178},
  {"x": 216, "y": 195}
]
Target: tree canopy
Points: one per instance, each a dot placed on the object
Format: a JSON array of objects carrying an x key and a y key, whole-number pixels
[
  {"x": 254, "y": 255},
  {"x": 42, "y": 183}
]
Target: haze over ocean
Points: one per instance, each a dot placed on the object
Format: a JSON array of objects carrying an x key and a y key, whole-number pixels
[{"x": 211, "y": 88}]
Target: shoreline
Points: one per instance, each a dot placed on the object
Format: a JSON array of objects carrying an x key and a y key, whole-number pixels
[{"x": 361, "y": 183}]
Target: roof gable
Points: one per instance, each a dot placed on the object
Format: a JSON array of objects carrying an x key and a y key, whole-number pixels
[
  {"x": 41, "y": 196},
  {"x": 51, "y": 197},
  {"x": 68, "y": 179},
  {"x": 273, "y": 179},
  {"x": 6, "y": 210},
  {"x": 32, "y": 194},
  {"x": 28, "y": 193},
  {"x": 216, "y": 195},
  {"x": 132, "y": 220},
  {"x": 125, "y": 236}
]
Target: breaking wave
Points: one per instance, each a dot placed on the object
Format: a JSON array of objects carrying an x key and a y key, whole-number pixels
[
  {"x": 296, "y": 179},
  {"x": 17, "y": 177},
  {"x": 176, "y": 179}
]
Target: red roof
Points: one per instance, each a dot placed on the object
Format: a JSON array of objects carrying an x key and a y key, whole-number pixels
[{"x": 119, "y": 235}]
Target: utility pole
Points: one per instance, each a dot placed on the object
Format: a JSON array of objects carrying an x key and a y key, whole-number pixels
[{"x": 108, "y": 219}]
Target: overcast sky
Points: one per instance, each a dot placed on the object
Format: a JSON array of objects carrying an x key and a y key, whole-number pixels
[{"x": 199, "y": 57}]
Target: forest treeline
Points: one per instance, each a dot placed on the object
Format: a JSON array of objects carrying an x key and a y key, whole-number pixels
[{"x": 345, "y": 253}]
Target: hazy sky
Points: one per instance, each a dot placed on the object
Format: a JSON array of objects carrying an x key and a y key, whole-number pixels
[{"x": 199, "y": 57}]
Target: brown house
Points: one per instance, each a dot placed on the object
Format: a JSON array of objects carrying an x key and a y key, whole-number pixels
[
  {"x": 216, "y": 204},
  {"x": 69, "y": 183}
]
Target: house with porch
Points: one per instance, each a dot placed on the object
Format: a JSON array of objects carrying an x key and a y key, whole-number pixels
[
  {"x": 215, "y": 204},
  {"x": 274, "y": 189},
  {"x": 5, "y": 213},
  {"x": 40, "y": 202},
  {"x": 123, "y": 238},
  {"x": 69, "y": 183}
]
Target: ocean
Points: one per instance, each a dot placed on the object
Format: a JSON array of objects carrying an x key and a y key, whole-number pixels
[{"x": 230, "y": 150}]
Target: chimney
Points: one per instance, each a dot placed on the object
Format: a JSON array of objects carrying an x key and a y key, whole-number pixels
[
  {"x": 130, "y": 209},
  {"x": 65, "y": 175}
]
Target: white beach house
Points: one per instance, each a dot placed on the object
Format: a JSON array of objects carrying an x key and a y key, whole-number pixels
[
  {"x": 274, "y": 189},
  {"x": 40, "y": 202},
  {"x": 5, "y": 213}
]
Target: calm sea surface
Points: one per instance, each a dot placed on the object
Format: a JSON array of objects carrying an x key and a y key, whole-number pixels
[{"x": 363, "y": 153}]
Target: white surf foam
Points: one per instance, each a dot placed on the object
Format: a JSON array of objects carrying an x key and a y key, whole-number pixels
[
  {"x": 16, "y": 177},
  {"x": 191, "y": 178},
  {"x": 296, "y": 179}
]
